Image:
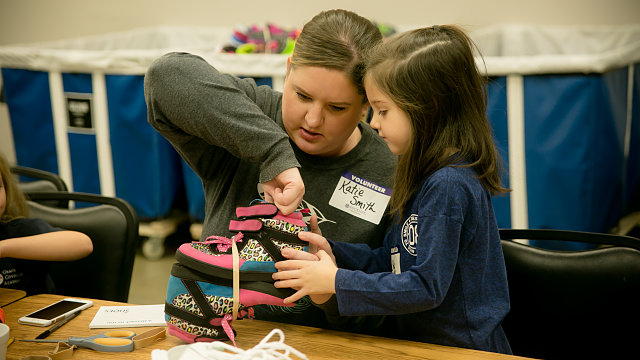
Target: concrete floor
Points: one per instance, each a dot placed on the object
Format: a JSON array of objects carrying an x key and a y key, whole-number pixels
[
  {"x": 150, "y": 277},
  {"x": 149, "y": 280}
]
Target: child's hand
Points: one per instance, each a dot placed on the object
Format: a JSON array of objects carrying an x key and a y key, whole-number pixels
[
  {"x": 315, "y": 228},
  {"x": 316, "y": 243},
  {"x": 308, "y": 277},
  {"x": 313, "y": 225}
]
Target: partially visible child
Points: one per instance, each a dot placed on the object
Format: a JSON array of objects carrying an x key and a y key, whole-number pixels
[
  {"x": 441, "y": 270},
  {"x": 26, "y": 245}
]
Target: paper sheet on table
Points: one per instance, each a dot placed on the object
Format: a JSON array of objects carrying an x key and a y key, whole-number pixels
[{"x": 128, "y": 316}]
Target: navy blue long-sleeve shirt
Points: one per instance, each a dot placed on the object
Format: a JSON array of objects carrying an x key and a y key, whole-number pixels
[
  {"x": 448, "y": 285},
  {"x": 31, "y": 276}
]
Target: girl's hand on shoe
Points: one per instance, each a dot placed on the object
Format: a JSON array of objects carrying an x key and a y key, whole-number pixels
[
  {"x": 285, "y": 190},
  {"x": 313, "y": 225},
  {"x": 315, "y": 228},
  {"x": 320, "y": 298},
  {"x": 314, "y": 278},
  {"x": 316, "y": 243},
  {"x": 293, "y": 254}
]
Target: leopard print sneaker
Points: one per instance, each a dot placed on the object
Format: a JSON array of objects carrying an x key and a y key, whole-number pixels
[
  {"x": 261, "y": 233},
  {"x": 198, "y": 306}
]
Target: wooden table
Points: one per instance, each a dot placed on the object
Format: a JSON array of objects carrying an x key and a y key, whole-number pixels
[
  {"x": 315, "y": 343},
  {"x": 7, "y": 296}
]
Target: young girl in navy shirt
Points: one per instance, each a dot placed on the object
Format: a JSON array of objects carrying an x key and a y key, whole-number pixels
[
  {"x": 440, "y": 272},
  {"x": 27, "y": 245}
]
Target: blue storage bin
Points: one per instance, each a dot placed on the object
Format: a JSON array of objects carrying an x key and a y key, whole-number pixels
[
  {"x": 564, "y": 106},
  {"x": 135, "y": 163},
  {"x": 77, "y": 109},
  {"x": 563, "y": 103}
]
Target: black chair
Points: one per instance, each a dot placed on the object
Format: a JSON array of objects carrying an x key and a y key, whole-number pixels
[
  {"x": 572, "y": 304},
  {"x": 40, "y": 180},
  {"x": 32, "y": 180},
  {"x": 112, "y": 225}
]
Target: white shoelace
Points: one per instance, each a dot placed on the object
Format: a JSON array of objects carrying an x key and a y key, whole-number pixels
[{"x": 264, "y": 350}]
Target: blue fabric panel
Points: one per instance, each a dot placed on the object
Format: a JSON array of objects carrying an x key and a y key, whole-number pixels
[
  {"x": 29, "y": 103},
  {"x": 77, "y": 83},
  {"x": 82, "y": 146},
  {"x": 84, "y": 163},
  {"x": 215, "y": 290},
  {"x": 264, "y": 81},
  {"x": 262, "y": 266},
  {"x": 633, "y": 162},
  {"x": 261, "y": 80},
  {"x": 573, "y": 153},
  {"x": 194, "y": 192},
  {"x": 497, "y": 114},
  {"x": 613, "y": 196},
  {"x": 146, "y": 167},
  {"x": 175, "y": 288}
]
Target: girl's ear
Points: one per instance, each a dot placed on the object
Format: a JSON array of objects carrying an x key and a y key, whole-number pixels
[{"x": 288, "y": 63}]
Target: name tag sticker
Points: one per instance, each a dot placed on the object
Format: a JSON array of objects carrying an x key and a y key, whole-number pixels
[{"x": 360, "y": 197}]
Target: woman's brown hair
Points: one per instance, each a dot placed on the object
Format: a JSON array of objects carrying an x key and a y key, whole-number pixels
[
  {"x": 431, "y": 74},
  {"x": 337, "y": 39},
  {"x": 16, "y": 206}
]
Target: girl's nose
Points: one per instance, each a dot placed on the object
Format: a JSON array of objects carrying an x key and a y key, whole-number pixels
[{"x": 374, "y": 122}]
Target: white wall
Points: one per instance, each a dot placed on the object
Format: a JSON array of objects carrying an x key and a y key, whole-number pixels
[{"x": 23, "y": 21}]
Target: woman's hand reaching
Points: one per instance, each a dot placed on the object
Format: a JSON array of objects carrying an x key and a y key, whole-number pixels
[{"x": 285, "y": 190}]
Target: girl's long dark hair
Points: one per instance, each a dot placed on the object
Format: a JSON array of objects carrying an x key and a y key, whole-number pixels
[
  {"x": 16, "y": 205},
  {"x": 431, "y": 74}
]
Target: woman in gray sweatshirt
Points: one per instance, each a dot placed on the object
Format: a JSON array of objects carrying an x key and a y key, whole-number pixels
[{"x": 247, "y": 142}]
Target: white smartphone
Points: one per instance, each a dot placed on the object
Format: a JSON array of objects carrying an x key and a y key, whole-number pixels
[{"x": 57, "y": 311}]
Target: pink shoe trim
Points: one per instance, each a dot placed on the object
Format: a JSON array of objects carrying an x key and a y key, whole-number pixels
[
  {"x": 223, "y": 243},
  {"x": 226, "y": 325},
  {"x": 225, "y": 261},
  {"x": 249, "y": 313},
  {"x": 257, "y": 210},
  {"x": 245, "y": 225},
  {"x": 185, "y": 336},
  {"x": 293, "y": 218},
  {"x": 250, "y": 298}
]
